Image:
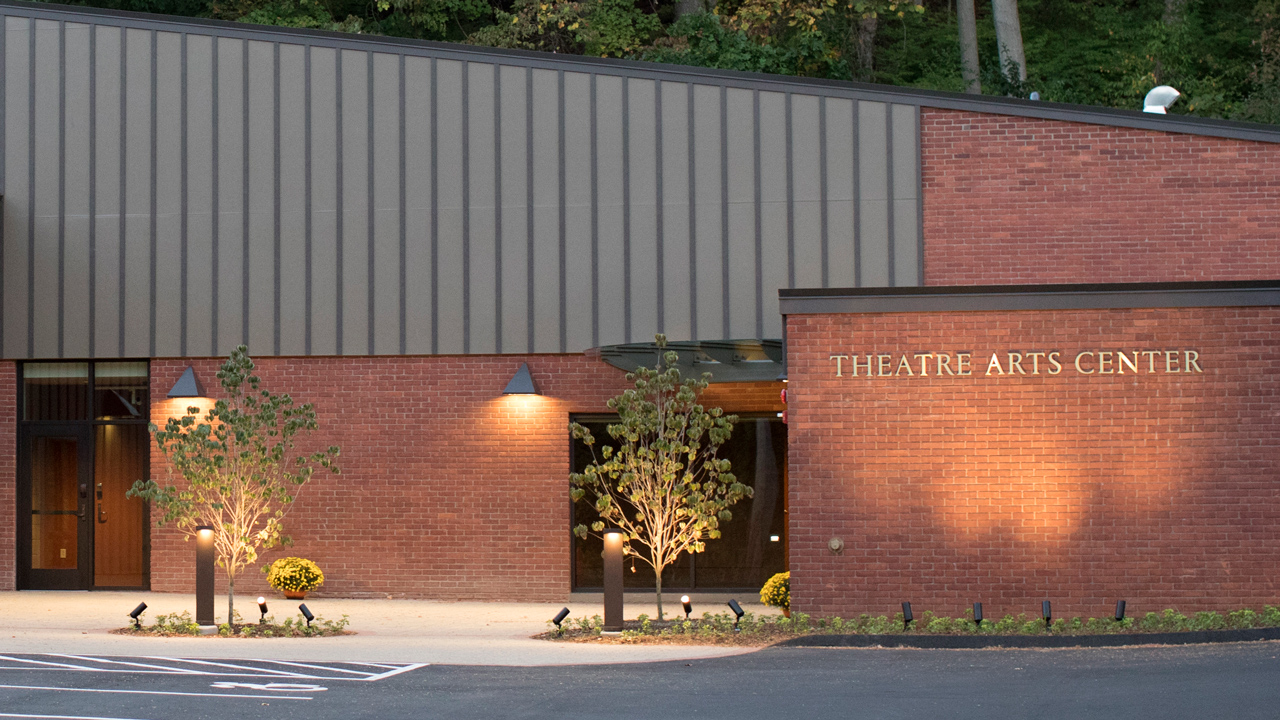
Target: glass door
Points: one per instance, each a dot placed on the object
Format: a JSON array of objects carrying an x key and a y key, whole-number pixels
[{"x": 55, "y": 499}]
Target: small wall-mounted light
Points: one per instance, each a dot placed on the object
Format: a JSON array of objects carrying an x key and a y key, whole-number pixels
[
  {"x": 775, "y": 538},
  {"x": 137, "y": 624},
  {"x": 306, "y": 614},
  {"x": 737, "y": 610},
  {"x": 1047, "y": 611},
  {"x": 688, "y": 606},
  {"x": 977, "y": 614},
  {"x": 907, "y": 617},
  {"x": 559, "y": 618},
  {"x": 188, "y": 386},
  {"x": 262, "y": 608},
  {"x": 521, "y": 383},
  {"x": 1119, "y": 611}
]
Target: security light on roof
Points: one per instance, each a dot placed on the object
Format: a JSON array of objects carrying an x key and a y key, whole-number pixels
[{"x": 1160, "y": 99}]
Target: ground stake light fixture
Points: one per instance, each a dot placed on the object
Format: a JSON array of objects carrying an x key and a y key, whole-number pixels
[
  {"x": 137, "y": 624},
  {"x": 737, "y": 610},
  {"x": 521, "y": 383},
  {"x": 559, "y": 618},
  {"x": 262, "y": 607},
  {"x": 188, "y": 386},
  {"x": 1047, "y": 611},
  {"x": 977, "y": 614},
  {"x": 1119, "y": 611},
  {"x": 688, "y": 606},
  {"x": 306, "y": 613},
  {"x": 907, "y": 617}
]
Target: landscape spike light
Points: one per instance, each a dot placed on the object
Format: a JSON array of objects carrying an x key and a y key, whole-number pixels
[
  {"x": 737, "y": 610},
  {"x": 907, "y": 617},
  {"x": 1119, "y": 611},
  {"x": 688, "y": 607},
  {"x": 1047, "y": 611},
  {"x": 306, "y": 614},
  {"x": 137, "y": 624},
  {"x": 262, "y": 607},
  {"x": 977, "y": 613},
  {"x": 559, "y": 618}
]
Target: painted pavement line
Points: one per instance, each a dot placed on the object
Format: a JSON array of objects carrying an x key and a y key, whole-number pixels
[
  {"x": 153, "y": 692},
  {"x": 63, "y": 717},
  {"x": 261, "y": 671},
  {"x": 397, "y": 671},
  {"x": 175, "y": 670},
  {"x": 364, "y": 673},
  {"x": 48, "y": 665}
]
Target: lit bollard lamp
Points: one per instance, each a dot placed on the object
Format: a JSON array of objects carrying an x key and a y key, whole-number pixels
[
  {"x": 204, "y": 576},
  {"x": 613, "y": 540}
]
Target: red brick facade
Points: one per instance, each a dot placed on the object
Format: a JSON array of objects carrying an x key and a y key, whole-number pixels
[
  {"x": 1012, "y": 200},
  {"x": 1159, "y": 488}
]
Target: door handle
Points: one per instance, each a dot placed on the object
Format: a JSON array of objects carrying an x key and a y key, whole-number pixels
[{"x": 102, "y": 514}]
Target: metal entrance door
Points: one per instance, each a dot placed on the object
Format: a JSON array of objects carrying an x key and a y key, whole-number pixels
[{"x": 55, "y": 502}]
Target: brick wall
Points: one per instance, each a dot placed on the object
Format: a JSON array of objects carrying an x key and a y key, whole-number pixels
[
  {"x": 448, "y": 489},
  {"x": 1012, "y": 200},
  {"x": 1161, "y": 489}
]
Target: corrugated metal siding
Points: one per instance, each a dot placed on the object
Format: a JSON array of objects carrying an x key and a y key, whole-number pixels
[{"x": 175, "y": 188}]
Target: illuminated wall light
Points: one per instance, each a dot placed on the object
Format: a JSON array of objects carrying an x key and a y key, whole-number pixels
[
  {"x": 521, "y": 383},
  {"x": 775, "y": 538},
  {"x": 188, "y": 386}
]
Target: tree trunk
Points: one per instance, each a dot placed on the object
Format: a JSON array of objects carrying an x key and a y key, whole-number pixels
[
  {"x": 867, "y": 47},
  {"x": 231, "y": 598},
  {"x": 969, "y": 46},
  {"x": 1009, "y": 38},
  {"x": 693, "y": 7},
  {"x": 657, "y": 574}
]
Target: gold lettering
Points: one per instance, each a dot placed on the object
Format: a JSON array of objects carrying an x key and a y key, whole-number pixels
[
  {"x": 944, "y": 363},
  {"x": 1079, "y": 369},
  {"x": 962, "y": 364},
  {"x": 1124, "y": 360},
  {"x": 924, "y": 368},
  {"x": 1015, "y": 361},
  {"x": 1171, "y": 361},
  {"x": 855, "y": 366},
  {"x": 1192, "y": 360},
  {"x": 1104, "y": 363},
  {"x": 1151, "y": 359},
  {"x": 902, "y": 363},
  {"x": 1035, "y": 362},
  {"x": 882, "y": 363},
  {"x": 994, "y": 363},
  {"x": 838, "y": 358},
  {"x": 1053, "y": 360}
]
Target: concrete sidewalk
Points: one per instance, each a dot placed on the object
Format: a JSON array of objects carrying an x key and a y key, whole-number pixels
[{"x": 400, "y": 631}]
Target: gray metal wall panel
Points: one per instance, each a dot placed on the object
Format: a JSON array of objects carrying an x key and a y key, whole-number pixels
[
  {"x": 325, "y": 222},
  {"x": 482, "y": 258},
  {"x": 418, "y": 200},
  {"x": 167, "y": 333},
  {"x": 642, "y": 197},
  {"x": 386, "y": 198},
  {"x": 675, "y": 320},
  {"x": 199, "y": 133},
  {"x": 514, "y": 240},
  {"x": 547, "y": 198},
  {"x": 612, "y": 257},
  {"x": 293, "y": 201},
  {"x": 76, "y": 259},
  {"x": 324, "y": 207}
]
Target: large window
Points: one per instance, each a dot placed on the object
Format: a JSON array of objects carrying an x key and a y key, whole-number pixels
[{"x": 753, "y": 544}]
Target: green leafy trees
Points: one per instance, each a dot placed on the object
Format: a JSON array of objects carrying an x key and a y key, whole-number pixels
[
  {"x": 238, "y": 471},
  {"x": 663, "y": 485}
]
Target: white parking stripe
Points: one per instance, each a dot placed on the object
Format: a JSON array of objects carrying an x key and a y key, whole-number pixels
[
  {"x": 63, "y": 717},
  {"x": 280, "y": 673},
  {"x": 63, "y": 666},
  {"x": 185, "y": 671},
  {"x": 397, "y": 671},
  {"x": 323, "y": 667},
  {"x": 154, "y": 692}
]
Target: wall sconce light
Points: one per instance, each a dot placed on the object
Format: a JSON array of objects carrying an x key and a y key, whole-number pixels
[
  {"x": 977, "y": 614},
  {"x": 907, "y": 617},
  {"x": 737, "y": 610},
  {"x": 1119, "y": 611},
  {"x": 521, "y": 383},
  {"x": 1047, "y": 611},
  {"x": 688, "y": 606},
  {"x": 262, "y": 607},
  {"x": 188, "y": 386},
  {"x": 137, "y": 624},
  {"x": 306, "y": 614},
  {"x": 559, "y": 618}
]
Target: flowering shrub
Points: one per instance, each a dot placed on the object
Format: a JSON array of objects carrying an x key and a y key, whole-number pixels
[
  {"x": 296, "y": 574},
  {"x": 777, "y": 591}
]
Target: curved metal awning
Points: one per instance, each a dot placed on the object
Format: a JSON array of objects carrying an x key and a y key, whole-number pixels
[{"x": 727, "y": 360}]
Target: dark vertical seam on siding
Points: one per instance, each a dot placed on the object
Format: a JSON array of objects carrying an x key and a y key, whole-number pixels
[
  {"x": 822, "y": 184},
  {"x": 183, "y": 191},
  {"x": 758, "y": 199},
  {"x": 31, "y": 192},
  {"x": 93, "y": 182},
  {"x": 155, "y": 184},
  {"x": 791, "y": 208},
  {"x": 435, "y": 217},
  {"x": 123, "y": 208},
  {"x": 497, "y": 207},
  {"x": 857, "y": 199},
  {"x": 276, "y": 249},
  {"x": 244, "y": 196},
  {"x": 919, "y": 199},
  {"x": 466, "y": 207},
  {"x": 215, "y": 207},
  {"x": 888, "y": 189},
  {"x": 564, "y": 323},
  {"x": 307, "y": 221},
  {"x": 724, "y": 212},
  {"x": 62, "y": 185},
  {"x": 626, "y": 209},
  {"x": 693, "y": 222},
  {"x": 370, "y": 207},
  {"x": 529, "y": 209},
  {"x": 338, "y": 201},
  {"x": 658, "y": 209},
  {"x": 404, "y": 214},
  {"x": 595, "y": 218}
]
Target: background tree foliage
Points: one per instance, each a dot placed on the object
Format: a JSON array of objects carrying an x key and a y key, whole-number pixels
[{"x": 1223, "y": 55}]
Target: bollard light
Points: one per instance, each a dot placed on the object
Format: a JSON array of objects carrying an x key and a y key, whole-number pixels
[
  {"x": 614, "y": 547},
  {"x": 262, "y": 608},
  {"x": 137, "y": 624},
  {"x": 907, "y": 617},
  {"x": 306, "y": 614},
  {"x": 977, "y": 613},
  {"x": 1047, "y": 611},
  {"x": 688, "y": 606},
  {"x": 1119, "y": 611},
  {"x": 737, "y": 610},
  {"x": 559, "y": 618},
  {"x": 204, "y": 576}
]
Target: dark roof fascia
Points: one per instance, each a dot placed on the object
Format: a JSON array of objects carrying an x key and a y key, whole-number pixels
[
  {"x": 935, "y": 299},
  {"x": 632, "y": 68}
]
